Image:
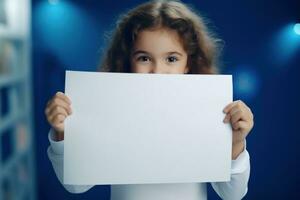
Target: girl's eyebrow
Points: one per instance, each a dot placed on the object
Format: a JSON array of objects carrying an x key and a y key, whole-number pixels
[
  {"x": 145, "y": 52},
  {"x": 173, "y": 52},
  {"x": 139, "y": 52}
]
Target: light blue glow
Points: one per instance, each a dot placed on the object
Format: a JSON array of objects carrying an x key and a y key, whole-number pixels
[
  {"x": 67, "y": 32},
  {"x": 246, "y": 82},
  {"x": 53, "y": 2},
  {"x": 284, "y": 46},
  {"x": 297, "y": 28}
]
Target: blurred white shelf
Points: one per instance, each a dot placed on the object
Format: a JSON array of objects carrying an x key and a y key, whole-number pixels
[
  {"x": 10, "y": 35},
  {"x": 7, "y": 79},
  {"x": 11, "y": 163},
  {"x": 18, "y": 100},
  {"x": 10, "y": 120}
]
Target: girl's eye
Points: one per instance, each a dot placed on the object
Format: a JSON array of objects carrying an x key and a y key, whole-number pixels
[
  {"x": 172, "y": 59},
  {"x": 143, "y": 58}
]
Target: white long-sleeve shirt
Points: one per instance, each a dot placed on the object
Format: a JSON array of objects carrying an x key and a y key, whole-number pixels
[{"x": 235, "y": 189}]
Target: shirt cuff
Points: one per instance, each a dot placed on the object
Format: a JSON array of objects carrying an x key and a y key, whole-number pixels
[
  {"x": 241, "y": 163},
  {"x": 56, "y": 146}
]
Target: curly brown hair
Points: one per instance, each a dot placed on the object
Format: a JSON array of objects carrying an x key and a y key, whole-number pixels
[{"x": 199, "y": 43}]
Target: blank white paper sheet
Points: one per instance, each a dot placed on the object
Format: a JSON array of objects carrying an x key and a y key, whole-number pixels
[{"x": 129, "y": 128}]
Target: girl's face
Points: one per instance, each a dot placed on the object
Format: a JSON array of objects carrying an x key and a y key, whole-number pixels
[{"x": 158, "y": 51}]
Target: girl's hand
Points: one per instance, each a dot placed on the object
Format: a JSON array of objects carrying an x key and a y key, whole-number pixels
[
  {"x": 241, "y": 119},
  {"x": 57, "y": 110}
]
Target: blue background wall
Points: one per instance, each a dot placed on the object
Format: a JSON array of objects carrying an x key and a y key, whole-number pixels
[{"x": 261, "y": 51}]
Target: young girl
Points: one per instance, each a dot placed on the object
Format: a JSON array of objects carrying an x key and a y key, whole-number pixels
[{"x": 161, "y": 37}]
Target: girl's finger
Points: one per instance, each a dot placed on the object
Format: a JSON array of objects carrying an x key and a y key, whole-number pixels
[
  {"x": 63, "y": 97},
  {"x": 59, "y": 102},
  {"x": 238, "y": 103},
  {"x": 57, "y": 110},
  {"x": 228, "y": 107},
  {"x": 227, "y": 118},
  {"x": 242, "y": 125},
  {"x": 237, "y": 116},
  {"x": 232, "y": 111},
  {"x": 58, "y": 119},
  {"x": 241, "y": 106}
]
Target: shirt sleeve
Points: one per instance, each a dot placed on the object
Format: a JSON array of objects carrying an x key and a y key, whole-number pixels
[
  {"x": 237, "y": 187},
  {"x": 56, "y": 156}
]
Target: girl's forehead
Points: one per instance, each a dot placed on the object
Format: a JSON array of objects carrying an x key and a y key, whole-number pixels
[{"x": 161, "y": 39}]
